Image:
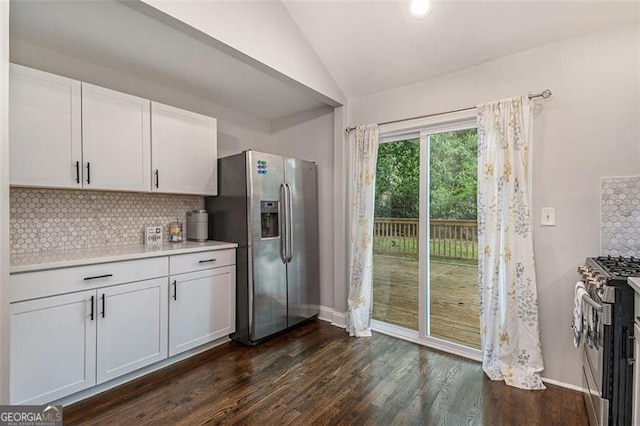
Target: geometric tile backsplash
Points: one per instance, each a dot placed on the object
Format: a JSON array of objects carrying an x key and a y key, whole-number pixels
[
  {"x": 621, "y": 216},
  {"x": 56, "y": 219}
]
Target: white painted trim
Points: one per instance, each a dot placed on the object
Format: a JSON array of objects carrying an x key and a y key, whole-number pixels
[
  {"x": 398, "y": 137},
  {"x": 564, "y": 385},
  {"x": 95, "y": 390},
  {"x": 339, "y": 319},
  {"x": 433, "y": 343},
  {"x": 326, "y": 314},
  {"x": 394, "y": 330},
  {"x": 4, "y": 203},
  {"x": 424, "y": 265},
  {"x": 436, "y": 124}
]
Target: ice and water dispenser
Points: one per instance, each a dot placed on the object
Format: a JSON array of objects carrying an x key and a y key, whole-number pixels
[{"x": 269, "y": 219}]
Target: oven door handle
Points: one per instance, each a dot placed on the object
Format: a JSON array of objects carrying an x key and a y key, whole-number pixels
[{"x": 595, "y": 305}]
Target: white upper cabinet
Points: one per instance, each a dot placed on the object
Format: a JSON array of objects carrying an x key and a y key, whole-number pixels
[
  {"x": 116, "y": 140},
  {"x": 65, "y": 133},
  {"x": 44, "y": 129},
  {"x": 184, "y": 151}
]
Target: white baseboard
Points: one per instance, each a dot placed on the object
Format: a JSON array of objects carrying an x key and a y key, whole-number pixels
[
  {"x": 564, "y": 385},
  {"x": 339, "y": 319}
]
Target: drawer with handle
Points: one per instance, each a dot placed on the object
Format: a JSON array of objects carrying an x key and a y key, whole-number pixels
[
  {"x": 182, "y": 263},
  {"x": 32, "y": 285}
]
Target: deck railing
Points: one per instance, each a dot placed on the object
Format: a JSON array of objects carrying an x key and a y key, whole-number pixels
[{"x": 448, "y": 239}]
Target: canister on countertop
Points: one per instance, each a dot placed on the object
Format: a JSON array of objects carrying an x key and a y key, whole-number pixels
[
  {"x": 197, "y": 225},
  {"x": 175, "y": 231}
]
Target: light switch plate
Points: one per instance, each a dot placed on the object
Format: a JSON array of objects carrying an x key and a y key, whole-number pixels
[{"x": 548, "y": 216}]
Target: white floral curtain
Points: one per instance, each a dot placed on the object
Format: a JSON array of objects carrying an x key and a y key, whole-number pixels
[
  {"x": 363, "y": 174},
  {"x": 511, "y": 349}
]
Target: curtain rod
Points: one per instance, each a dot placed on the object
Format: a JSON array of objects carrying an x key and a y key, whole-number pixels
[{"x": 546, "y": 94}]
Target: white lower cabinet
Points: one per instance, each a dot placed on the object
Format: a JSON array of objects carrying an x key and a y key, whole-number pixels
[
  {"x": 77, "y": 327},
  {"x": 132, "y": 327},
  {"x": 53, "y": 347},
  {"x": 201, "y": 307}
]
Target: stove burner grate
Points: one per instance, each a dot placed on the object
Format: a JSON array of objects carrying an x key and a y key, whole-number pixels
[{"x": 620, "y": 266}]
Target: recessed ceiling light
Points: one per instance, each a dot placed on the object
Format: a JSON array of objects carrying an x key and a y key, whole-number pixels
[{"x": 420, "y": 8}]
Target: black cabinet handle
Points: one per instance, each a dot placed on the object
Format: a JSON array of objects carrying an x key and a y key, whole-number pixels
[
  {"x": 157, "y": 178},
  {"x": 103, "y": 305},
  {"x": 207, "y": 261},
  {"x": 92, "y": 301},
  {"x": 77, "y": 172},
  {"x": 175, "y": 289},
  {"x": 98, "y": 276},
  {"x": 88, "y": 173}
]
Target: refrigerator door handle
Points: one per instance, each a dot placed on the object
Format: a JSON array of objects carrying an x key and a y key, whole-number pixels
[
  {"x": 282, "y": 211},
  {"x": 289, "y": 222}
]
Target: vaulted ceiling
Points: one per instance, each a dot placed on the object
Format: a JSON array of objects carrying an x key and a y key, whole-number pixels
[
  {"x": 367, "y": 46},
  {"x": 372, "y": 46}
]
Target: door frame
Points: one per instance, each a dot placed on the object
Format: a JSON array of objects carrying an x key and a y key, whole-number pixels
[{"x": 422, "y": 128}]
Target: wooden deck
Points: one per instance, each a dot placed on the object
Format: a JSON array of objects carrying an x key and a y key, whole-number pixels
[{"x": 454, "y": 297}]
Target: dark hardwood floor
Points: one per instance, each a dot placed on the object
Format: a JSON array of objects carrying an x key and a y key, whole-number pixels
[{"x": 316, "y": 374}]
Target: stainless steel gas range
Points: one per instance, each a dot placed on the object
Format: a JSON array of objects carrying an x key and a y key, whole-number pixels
[{"x": 608, "y": 349}]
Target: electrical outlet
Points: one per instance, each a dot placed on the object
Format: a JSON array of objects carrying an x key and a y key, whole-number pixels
[{"x": 548, "y": 216}]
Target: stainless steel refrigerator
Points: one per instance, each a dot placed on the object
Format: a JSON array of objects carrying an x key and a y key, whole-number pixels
[{"x": 268, "y": 204}]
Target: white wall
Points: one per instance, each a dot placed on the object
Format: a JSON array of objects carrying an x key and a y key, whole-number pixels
[
  {"x": 4, "y": 202},
  {"x": 588, "y": 129},
  {"x": 309, "y": 136},
  {"x": 340, "y": 197},
  {"x": 261, "y": 30}
]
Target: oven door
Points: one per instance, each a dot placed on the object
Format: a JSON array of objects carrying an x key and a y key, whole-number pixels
[
  {"x": 594, "y": 369},
  {"x": 597, "y": 406}
]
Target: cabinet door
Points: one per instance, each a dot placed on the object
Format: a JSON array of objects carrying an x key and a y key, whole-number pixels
[
  {"x": 202, "y": 307},
  {"x": 53, "y": 347},
  {"x": 44, "y": 129},
  {"x": 184, "y": 151},
  {"x": 115, "y": 140},
  {"x": 132, "y": 327}
]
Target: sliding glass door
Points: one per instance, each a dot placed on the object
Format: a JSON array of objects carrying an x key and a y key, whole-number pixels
[{"x": 425, "y": 237}]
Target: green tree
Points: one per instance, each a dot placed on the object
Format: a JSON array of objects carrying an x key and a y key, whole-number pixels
[
  {"x": 452, "y": 175},
  {"x": 398, "y": 179}
]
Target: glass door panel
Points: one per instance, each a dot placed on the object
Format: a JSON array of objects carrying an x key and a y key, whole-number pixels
[
  {"x": 395, "y": 235},
  {"x": 452, "y": 287}
]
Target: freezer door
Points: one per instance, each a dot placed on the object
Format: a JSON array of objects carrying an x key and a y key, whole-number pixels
[
  {"x": 268, "y": 298},
  {"x": 302, "y": 270}
]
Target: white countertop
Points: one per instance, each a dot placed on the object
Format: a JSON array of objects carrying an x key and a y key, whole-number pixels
[
  {"x": 36, "y": 261},
  {"x": 635, "y": 284}
]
